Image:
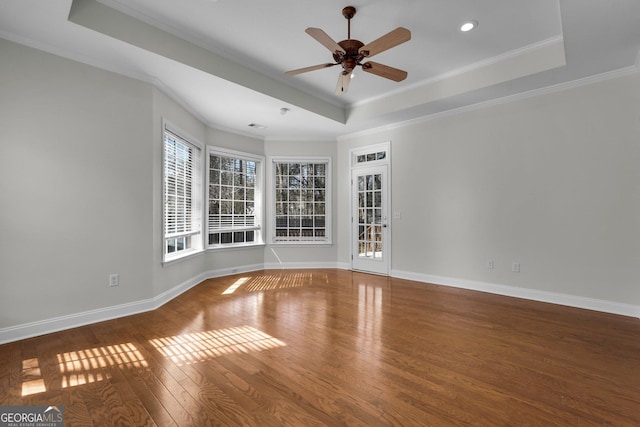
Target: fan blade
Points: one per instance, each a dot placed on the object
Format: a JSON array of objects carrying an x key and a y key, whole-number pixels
[
  {"x": 389, "y": 40},
  {"x": 307, "y": 69},
  {"x": 324, "y": 39},
  {"x": 385, "y": 71},
  {"x": 343, "y": 83}
]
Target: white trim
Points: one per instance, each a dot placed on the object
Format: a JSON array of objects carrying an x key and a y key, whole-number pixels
[
  {"x": 597, "y": 78},
  {"x": 300, "y": 265},
  {"x": 271, "y": 200},
  {"x": 184, "y": 257},
  {"x": 235, "y": 246},
  {"x": 47, "y": 326},
  {"x": 343, "y": 266},
  {"x": 503, "y": 57},
  {"x": 197, "y": 237},
  {"x": 354, "y": 166},
  {"x": 185, "y": 136},
  {"x": 259, "y": 192},
  {"x": 525, "y": 293},
  {"x": 77, "y": 57},
  {"x": 370, "y": 149}
]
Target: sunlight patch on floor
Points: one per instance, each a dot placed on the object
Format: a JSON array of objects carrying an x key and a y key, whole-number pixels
[
  {"x": 82, "y": 366},
  {"x": 32, "y": 381},
  {"x": 88, "y": 366},
  {"x": 197, "y": 347},
  {"x": 235, "y": 285},
  {"x": 268, "y": 282}
]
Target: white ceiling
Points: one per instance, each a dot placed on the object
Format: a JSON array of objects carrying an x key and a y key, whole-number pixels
[{"x": 224, "y": 60}]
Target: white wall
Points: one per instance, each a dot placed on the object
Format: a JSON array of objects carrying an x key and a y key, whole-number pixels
[
  {"x": 89, "y": 143},
  {"x": 551, "y": 182},
  {"x": 75, "y": 187}
]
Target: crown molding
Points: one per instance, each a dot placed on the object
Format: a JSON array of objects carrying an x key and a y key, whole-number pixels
[
  {"x": 609, "y": 75},
  {"x": 512, "y": 54}
]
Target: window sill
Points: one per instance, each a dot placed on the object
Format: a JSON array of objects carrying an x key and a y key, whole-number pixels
[
  {"x": 300, "y": 244},
  {"x": 235, "y": 247},
  {"x": 184, "y": 257}
]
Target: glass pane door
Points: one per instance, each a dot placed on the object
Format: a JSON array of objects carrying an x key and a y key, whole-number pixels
[
  {"x": 370, "y": 216},
  {"x": 370, "y": 220}
]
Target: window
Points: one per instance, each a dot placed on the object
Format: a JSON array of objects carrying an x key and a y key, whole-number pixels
[
  {"x": 182, "y": 195},
  {"x": 367, "y": 156},
  {"x": 301, "y": 195},
  {"x": 371, "y": 157},
  {"x": 234, "y": 208}
]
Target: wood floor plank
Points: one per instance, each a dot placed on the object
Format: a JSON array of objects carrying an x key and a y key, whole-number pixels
[
  {"x": 334, "y": 347},
  {"x": 281, "y": 384},
  {"x": 188, "y": 397},
  {"x": 16, "y": 384},
  {"x": 10, "y": 365},
  {"x": 243, "y": 404},
  {"x": 99, "y": 400},
  {"x": 136, "y": 409}
]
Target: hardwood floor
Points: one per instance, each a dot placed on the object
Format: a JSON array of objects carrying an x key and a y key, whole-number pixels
[{"x": 333, "y": 347}]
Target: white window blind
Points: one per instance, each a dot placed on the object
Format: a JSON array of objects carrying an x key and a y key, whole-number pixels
[{"x": 182, "y": 195}]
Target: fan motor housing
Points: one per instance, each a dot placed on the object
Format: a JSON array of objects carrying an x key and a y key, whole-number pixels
[{"x": 351, "y": 58}]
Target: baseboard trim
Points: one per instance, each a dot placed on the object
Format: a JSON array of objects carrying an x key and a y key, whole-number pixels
[
  {"x": 525, "y": 293},
  {"x": 172, "y": 293},
  {"x": 299, "y": 265},
  {"x": 43, "y": 327},
  {"x": 343, "y": 266},
  {"x": 47, "y": 326}
]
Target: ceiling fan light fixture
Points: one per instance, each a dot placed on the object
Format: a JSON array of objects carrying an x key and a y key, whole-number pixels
[
  {"x": 468, "y": 26},
  {"x": 351, "y": 53}
]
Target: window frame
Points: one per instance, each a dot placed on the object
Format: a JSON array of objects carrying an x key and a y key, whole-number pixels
[
  {"x": 370, "y": 155},
  {"x": 195, "y": 235},
  {"x": 327, "y": 239},
  {"x": 258, "y": 228}
]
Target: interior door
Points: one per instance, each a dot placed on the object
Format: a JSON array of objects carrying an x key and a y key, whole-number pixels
[{"x": 370, "y": 225}]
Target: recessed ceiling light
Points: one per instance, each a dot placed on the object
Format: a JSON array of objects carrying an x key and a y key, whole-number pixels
[{"x": 469, "y": 25}]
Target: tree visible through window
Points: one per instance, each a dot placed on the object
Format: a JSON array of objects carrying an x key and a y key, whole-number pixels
[
  {"x": 301, "y": 197},
  {"x": 234, "y": 199}
]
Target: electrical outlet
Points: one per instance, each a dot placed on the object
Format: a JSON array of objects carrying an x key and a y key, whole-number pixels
[
  {"x": 490, "y": 264},
  {"x": 515, "y": 267},
  {"x": 114, "y": 280}
]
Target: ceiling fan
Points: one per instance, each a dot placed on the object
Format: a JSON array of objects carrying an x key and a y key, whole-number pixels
[{"x": 350, "y": 53}]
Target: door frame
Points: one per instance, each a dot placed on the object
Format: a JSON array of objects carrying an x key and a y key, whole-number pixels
[{"x": 356, "y": 162}]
